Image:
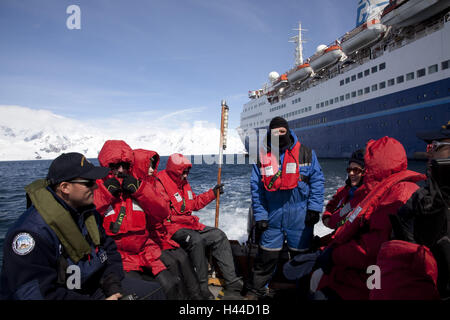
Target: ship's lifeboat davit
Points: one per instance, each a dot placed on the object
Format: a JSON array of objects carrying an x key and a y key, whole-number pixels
[
  {"x": 362, "y": 36},
  {"x": 328, "y": 57},
  {"x": 403, "y": 13},
  {"x": 300, "y": 73}
]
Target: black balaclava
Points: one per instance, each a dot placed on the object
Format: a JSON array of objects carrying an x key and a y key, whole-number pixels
[{"x": 285, "y": 140}]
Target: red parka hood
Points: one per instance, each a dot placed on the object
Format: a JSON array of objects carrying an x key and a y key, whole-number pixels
[
  {"x": 114, "y": 151},
  {"x": 383, "y": 158},
  {"x": 176, "y": 164},
  {"x": 142, "y": 162}
]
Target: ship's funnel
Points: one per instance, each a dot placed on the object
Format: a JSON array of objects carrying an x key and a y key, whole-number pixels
[{"x": 368, "y": 9}]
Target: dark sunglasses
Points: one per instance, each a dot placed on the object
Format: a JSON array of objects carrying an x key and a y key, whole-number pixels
[
  {"x": 355, "y": 170},
  {"x": 124, "y": 165},
  {"x": 435, "y": 145},
  {"x": 87, "y": 183}
]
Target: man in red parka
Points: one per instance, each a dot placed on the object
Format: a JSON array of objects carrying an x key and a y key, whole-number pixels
[
  {"x": 341, "y": 270},
  {"x": 193, "y": 236},
  {"x": 151, "y": 196},
  {"x": 125, "y": 220}
]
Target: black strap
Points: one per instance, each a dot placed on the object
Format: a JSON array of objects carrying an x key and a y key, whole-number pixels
[
  {"x": 274, "y": 178},
  {"x": 114, "y": 227}
]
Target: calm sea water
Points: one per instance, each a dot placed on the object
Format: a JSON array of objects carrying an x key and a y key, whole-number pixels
[{"x": 234, "y": 203}]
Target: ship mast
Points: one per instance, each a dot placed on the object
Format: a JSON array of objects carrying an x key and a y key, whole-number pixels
[{"x": 299, "y": 42}]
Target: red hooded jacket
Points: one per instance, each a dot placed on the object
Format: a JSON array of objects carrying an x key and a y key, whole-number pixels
[
  {"x": 132, "y": 239},
  {"x": 183, "y": 200},
  {"x": 357, "y": 242},
  {"x": 153, "y": 198},
  {"x": 340, "y": 205}
]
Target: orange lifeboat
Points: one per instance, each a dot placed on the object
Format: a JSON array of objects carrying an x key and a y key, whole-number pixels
[
  {"x": 300, "y": 73},
  {"x": 327, "y": 57}
]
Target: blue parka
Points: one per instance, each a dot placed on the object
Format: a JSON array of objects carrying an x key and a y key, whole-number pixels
[
  {"x": 33, "y": 274},
  {"x": 285, "y": 210}
]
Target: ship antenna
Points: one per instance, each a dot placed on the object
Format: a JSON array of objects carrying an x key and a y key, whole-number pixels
[{"x": 299, "y": 42}]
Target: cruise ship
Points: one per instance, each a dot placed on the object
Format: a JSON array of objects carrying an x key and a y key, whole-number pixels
[{"x": 390, "y": 76}]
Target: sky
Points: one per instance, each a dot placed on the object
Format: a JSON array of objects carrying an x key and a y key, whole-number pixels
[{"x": 163, "y": 61}]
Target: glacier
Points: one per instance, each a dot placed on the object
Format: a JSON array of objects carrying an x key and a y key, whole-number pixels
[{"x": 30, "y": 134}]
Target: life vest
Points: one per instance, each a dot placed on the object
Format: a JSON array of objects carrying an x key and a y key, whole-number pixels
[
  {"x": 124, "y": 216},
  {"x": 288, "y": 177},
  {"x": 361, "y": 214},
  {"x": 182, "y": 201},
  {"x": 62, "y": 223}
]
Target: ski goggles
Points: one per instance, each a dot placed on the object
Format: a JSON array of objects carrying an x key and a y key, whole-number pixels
[
  {"x": 435, "y": 145},
  {"x": 87, "y": 183},
  {"x": 355, "y": 170}
]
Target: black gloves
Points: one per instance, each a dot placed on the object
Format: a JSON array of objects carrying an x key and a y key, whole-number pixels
[
  {"x": 113, "y": 186},
  {"x": 218, "y": 186},
  {"x": 130, "y": 184},
  {"x": 312, "y": 217},
  {"x": 325, "y": 261},
  {"x": 111, "y": 284},
  {"x": 260, "y": 227}
]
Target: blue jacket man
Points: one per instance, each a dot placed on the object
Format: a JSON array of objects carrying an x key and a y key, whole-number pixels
[
  {"x": 284, "y": 210},
  {"x": 58, "y": 248}
]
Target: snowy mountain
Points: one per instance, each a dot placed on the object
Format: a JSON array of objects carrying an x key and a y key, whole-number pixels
[{"x": 28, "y": 134}]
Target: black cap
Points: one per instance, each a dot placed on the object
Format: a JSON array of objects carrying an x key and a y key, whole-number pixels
[
  {"x": 358, "y": 157},
  {"x": 278, "y": 122},
  {"x": 73, "y": 165},
  {"x": 439, "y": 134}
]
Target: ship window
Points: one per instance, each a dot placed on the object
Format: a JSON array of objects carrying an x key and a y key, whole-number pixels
[
  {"x": 309, "y": 109},
  {"x": 341, "y": 98},
  {"x": 353, "y": 94},
  {"x": 382, "y": 66},
  {"x": 317, "y": 106},
  {"x": 331, "y": 101},
  {"x": 366, "y": 72},
  {"x": 383, "y": 85},
  {"x": 366, "y": 90},
  {"x": 347, "y": 96},
  {"x": 336, "y": 100},
  {"x": 342, "y": 82},
  {"x": 421, "y": 72},
  {"x": 326, "y": 103},
  {"x": 360, "y": 75},
  {"x": 391, "y": 82},
  {"x": 347, "y": 80},
  {"x": 445, "y": 64},
  {"x": 321, "y": 104},
  {"x": 432, "y": 69},
  {"x": 410, "y": 76},
  {"x": 374, "y": 69},
  {"x": 354, "y": 77},
  {"x": 374, "y": 87},
  {"x": 400, "y": 79},
  {"x": 360, "y": 92}
]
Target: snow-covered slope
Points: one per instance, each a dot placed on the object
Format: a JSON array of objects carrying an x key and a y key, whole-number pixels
[{"x": 27, "y": 134}]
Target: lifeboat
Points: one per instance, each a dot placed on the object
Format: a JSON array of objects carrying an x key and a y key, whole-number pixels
[
  {"x": 328, "y": 57},
  {"x": 364, "y": 35},
  {"x": 403, "y": 13},
  {"x": 281, "y": 82},
  {"x": 300, "y": 73}
]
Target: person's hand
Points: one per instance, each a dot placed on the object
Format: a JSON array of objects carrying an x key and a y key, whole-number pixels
[
  {"x": 115, "y": 296},
  {"x": 130, "y": 184},
  {"x": 113, "y": 186},
  {"x": 312, "y": 217},
  {"x": 260, "y": 227},
  {"x": 325, "y": 260},
  {"x": 218, "y": 186}
]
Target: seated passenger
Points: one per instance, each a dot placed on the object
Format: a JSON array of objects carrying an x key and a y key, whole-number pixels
[
  {"x": 193, "y": 236},
  {"x": 348, "y": 196},
  {"x": 151, "y": 196},
  {"x": 125, "y": 220},
  {"x": 341, "y": 269},
  {"x": 416, "y": 263}
]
